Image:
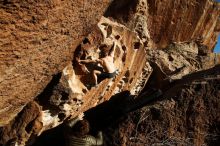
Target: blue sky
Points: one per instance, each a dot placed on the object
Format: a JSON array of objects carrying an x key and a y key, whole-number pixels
[{"x": 217, "y": 47}]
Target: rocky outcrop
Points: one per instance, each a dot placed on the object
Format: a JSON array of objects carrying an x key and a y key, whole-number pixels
[
  {"x": 37, "y": 41},
  {"x": 26, "y": 124},
  {"x": 159, "y": 44},
  {"x": 180, "y": 21},
  {"x": 189, "y": 116},
  {"x": 73, "y": 93},
  {"x": 171, "y": 21},
  {"x": 177, "y": 61},
  {"x": 70, "y": 93}
]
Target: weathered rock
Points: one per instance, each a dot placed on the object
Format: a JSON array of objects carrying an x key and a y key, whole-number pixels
[
  {"x": 73, "y": 95},
  {"x": 171, "y": 21},
  {"x": 178, "y": 21},
  {"x": 160, "y": 40},
  {"x": 23, "y": 126},
  {"x": 187, "y": 116},
  {"x": 69, "y": 93},
  {"x": 37, "y": 41},
  {"x": 178, "y": 60}
]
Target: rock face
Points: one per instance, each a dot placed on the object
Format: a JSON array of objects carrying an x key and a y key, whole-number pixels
[
  {"x": 70, "y": 93},
  {"x": 189, "y": 116},
  {"x": 171, "y": 21},
  {"x": 159, "y": 44},
  {"x": 179, "y": 60},
  {"x": 37, "y": 41},
  {"x": 23, "y": 126},
  {"x": 183, "y": 21},
  {"x": 73, "y": 93}
]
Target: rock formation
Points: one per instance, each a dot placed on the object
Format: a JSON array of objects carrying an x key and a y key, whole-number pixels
[
  {"x": 188, "y": 115},
  {"x": 169, "y": 21},
  {"x": 37, "y": 41},
  {"x": 73, "y": 93},
  {"x": 159, "y": 44}
]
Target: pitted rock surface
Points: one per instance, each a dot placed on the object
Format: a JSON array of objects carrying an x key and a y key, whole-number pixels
[{"x": 159, "y": 44}]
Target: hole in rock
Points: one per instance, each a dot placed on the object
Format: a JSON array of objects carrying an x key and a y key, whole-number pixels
[
  {"x": 117, "y": 7},
  {"x": 86, "y": 40},
  {"x": 75, "y": 99},
  {"x": 137, "y": 45},
  {"x": 141, "y": 12},
  {"x": 127, "y": 74},
  {"x": 170, "y": 58},
  {"x": 146, "y": 44},
  {"x": 123, "y": 48},
  {"x": 104, "y": 24},
  {"x": 29, "y": 126},
  {"x": 84, "y": 91},
  {"x": 65, "y": 96},
  {"x": 126, "y": 80},
  {"x": 61, "y": 116},
  {"x": 123, "y": 58},
  {"x": 117, "y": 37},
  {"x": 131, "y": 80}
]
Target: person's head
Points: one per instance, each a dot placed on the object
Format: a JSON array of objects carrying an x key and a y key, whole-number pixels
[
  {"x": 103, "y": 51},
  {"x": 81, "y": 128},
  {"x": 103, "y": 54}
]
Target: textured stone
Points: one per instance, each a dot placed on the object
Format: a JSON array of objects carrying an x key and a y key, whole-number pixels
[
  {"x": 23, "y": 126},
  {"x": 37, "y": 40},
  {"x": 180, "y": 59},
  {"x": 171, "y": 21},
  {"x": 187, "y": 115},
  {"x": 159, "y": 44},
  {"x": 73, "y": 95},
  {"x": 178, "y": 21}
]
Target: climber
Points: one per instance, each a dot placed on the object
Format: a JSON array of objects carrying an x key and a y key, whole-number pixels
[
  {"x": 107, "y": 62},
  {"x": 76, "y": 133},
  {"x": 78, "y": 54}
]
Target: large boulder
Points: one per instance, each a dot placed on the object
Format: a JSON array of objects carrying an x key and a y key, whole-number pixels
[
  {"x": 157, "y": 43},
  {"x": 37, "y": 40}
]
